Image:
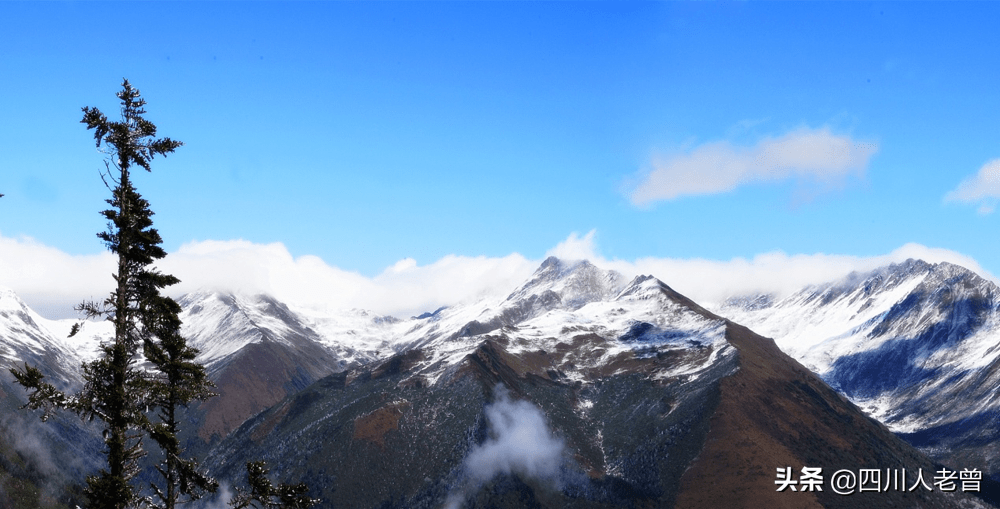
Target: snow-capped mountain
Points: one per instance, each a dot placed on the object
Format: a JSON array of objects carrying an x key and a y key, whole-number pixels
[
  {"x": 25, "y": 336},
  {"x": 258, "y": 351},
  {"x": 565, "y": 298},
  {"x": 219, "y": 325},
  {"x": 914, "y": 344},
  {"x": 40, "y": 461},
  {"x": 588, "y": 391},
  {"x": 646, "y": 397}
]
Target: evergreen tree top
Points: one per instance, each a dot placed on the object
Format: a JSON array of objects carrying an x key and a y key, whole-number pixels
[{"x": 128, "y": 138}]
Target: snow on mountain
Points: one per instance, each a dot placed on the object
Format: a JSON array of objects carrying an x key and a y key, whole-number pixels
[
  {"x": 576, "y": 283},
  {"x": 357, "y": 335},
  {"x": 26, "y": 337},
  {"x": 556, "y": 285},
  {"x": 656, "y": 401},
  {"x": 914, "y": 314},
  {"x": 913, "y": 344},
  {"x": 643, "y": 319},
  {"x": 258, "y": 350},
  {"x": 222, "y": 324},
  {"x": 820, "y": 323},
  {"x": 20, "y": 327},
  {"x": 85, "y": 344},
  {"x": 566, "y": 297}
]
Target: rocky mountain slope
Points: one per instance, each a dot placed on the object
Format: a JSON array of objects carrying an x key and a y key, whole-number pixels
[
  {"x": 256, "y": 351},
  {"x": 41, "y": 464},
  {"x": 581, "y": 390},
  {"x": 916, "y": 345}
]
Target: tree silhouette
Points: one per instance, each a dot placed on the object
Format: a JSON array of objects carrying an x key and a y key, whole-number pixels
[
  {"x": 263, "y": 494},
  {"x": 116, "y": 391}
]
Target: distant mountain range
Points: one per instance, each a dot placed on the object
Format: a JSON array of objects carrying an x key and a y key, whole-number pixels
[
  {"x": 585, "y": 389},
  {"x": 916, "y": 345}
]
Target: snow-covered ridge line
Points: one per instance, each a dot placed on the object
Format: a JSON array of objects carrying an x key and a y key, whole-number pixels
[
  {"x": 561, "y": 300},
  {"x": 914, "y": 344}
]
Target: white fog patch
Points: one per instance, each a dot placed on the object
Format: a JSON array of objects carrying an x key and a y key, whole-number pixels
[
  {"x": 520, "y": 442},
  {"x": 219, "y": 500},
  {"x": 27, "y": 442},
  {"x": 576, "y": 247}
]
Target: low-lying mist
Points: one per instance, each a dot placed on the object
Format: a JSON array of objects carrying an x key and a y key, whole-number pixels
[{"x": 519, "y": 442}]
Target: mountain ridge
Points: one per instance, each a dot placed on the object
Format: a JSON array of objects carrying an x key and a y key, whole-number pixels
[
  {"x": 914, "y": 344},
  {"x": 625, "y": 382},
  {"x": 580, "y": 345}
]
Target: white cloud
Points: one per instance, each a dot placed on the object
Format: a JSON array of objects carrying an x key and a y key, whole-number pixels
[
  {"x": 220, "y": 500},
  {"x": 805, "y": 155},
  {"x": 710, "y": 281},
  {"x": 520, "y": 442},
  {"x": 52, "y": 282},
  {"x": 403, "y": 289},
  {"x": 982, "y": 188},
  {"x": 575, "y": 247}
]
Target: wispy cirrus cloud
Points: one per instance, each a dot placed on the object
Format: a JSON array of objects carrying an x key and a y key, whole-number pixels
[
  {"x": 982, "y": 189},
  {"x": 806, "y": 155}
]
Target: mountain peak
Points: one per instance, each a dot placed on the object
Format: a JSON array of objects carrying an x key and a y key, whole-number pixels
[
  {"x": 645, "y": 287},
  {"x": 561, "y": 266},
  {"x": 941, "y": 271},
  {"x": 575, "y": 282},
  {"x": 952, "y": 272},
  {"x": 9, "y": 301},
  {"x": 551, "y": 261},
  {"x": 912, "y": 264}
]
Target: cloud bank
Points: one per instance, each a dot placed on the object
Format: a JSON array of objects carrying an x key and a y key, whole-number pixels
[
  {"x": 52, "y": 282},
  {"x": 983, "y": 188},
  {"x": 709, "y": 282},
  {"x": 806, "y": 155}
]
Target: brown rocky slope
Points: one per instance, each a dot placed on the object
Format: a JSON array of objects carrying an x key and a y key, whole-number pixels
[{"x": 637, "y": 429}]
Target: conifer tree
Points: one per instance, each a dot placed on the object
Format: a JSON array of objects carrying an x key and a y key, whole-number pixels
[
  {"x": 180, "y": 381},
  {"x": 115, "y": 390},
  {"x": 263, "y": 494}
]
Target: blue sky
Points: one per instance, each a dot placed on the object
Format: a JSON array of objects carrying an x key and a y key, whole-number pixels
[{"x": 380, "y": 135}]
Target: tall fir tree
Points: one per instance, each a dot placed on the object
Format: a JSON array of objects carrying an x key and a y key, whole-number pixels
[
  {"x": 181, "y": 380},
  {"x": 116, "y": 390}
]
